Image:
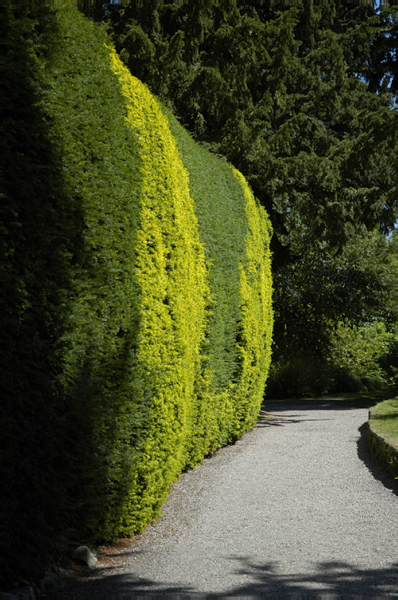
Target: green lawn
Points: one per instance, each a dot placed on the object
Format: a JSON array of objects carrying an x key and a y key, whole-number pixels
[{"x": 383, "y": 419}]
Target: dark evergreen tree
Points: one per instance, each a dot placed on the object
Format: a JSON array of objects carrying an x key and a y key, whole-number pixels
[{"x": 281, "y": 95}]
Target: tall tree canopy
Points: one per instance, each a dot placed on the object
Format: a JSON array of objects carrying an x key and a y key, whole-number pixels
[{"x": 300, "y": 100}]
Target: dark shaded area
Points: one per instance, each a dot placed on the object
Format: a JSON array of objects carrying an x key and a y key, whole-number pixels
[
  {"x": 335, "y": 578},
  {"x": 36, "y": 244},
  {"x": 57, "y": 456},
  {"x": 344, "y": 400},
  {"x": 388, "y": 416}
]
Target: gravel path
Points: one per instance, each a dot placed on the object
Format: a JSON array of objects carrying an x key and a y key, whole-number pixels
[{"x": 295, "y": 508}]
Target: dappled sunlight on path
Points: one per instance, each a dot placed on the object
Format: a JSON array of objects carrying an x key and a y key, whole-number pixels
[{"x": 327, "y": 578}]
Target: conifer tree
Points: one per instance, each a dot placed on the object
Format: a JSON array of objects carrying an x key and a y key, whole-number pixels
[{"x": 283, "y": 96}]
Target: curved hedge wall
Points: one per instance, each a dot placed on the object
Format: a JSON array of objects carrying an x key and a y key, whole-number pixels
[
  {"x": 235, "y": 232},
  {"x": 136, "y": 305}
]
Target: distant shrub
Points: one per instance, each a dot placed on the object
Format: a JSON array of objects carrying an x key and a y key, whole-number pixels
[
  {"x": 389, "y": 361},
  {"x": 363, "y": 353},
  {"x": 360, "y": 359}
]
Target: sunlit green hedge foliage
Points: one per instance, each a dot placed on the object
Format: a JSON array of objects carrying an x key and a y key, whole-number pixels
[
  {"x": 235, "y": 232},
  {"x": 137, "y": 300}
]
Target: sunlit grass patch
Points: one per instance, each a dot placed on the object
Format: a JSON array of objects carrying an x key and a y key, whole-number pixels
[{"x": 384, "y": 420}]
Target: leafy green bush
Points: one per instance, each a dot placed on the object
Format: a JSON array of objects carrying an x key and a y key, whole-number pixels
[
  {"x": 360, "y": 352},
  {"x": 389, "y": 361}
]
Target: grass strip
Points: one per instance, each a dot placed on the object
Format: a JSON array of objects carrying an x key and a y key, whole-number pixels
[
  {"x": 384, "y": 420},
  {"x": 383, "y": 433}
]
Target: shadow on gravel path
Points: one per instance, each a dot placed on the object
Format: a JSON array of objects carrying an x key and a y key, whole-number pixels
[
  {"x": 328, "y": 578},
  {"x": 287, "y": 411}
]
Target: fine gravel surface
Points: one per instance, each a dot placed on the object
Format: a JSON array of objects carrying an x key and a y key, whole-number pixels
[{"x": 295, "y": 508}]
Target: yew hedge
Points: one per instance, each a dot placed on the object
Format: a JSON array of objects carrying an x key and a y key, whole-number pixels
[{"x": 136, "y": 305}]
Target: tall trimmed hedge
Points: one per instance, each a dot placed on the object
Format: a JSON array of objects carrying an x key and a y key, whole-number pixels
[{"x": 136, "y": 301}]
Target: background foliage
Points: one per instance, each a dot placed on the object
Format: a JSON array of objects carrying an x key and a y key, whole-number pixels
[
  {"x": 278, "y": 93},
  {"x": 330, "y": 305}
]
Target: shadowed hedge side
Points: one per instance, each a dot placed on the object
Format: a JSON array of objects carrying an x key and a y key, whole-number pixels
[{"x": 37, "y": 217}]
